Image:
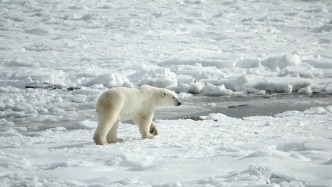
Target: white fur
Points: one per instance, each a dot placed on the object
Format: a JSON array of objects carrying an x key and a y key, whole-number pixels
[{"x": 137, "y": 104}]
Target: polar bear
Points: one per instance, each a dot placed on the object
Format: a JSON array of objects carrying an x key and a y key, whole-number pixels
[{"x": 137, "y": 104}]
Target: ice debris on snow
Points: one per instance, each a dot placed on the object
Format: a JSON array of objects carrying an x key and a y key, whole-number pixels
[
  {"x": 307, "y": 90},
  {"x": 70, "y": 163},
  {"x": 108, "y": 80},
  {"x": 135, "y": 163},
  {"x": 256, "y": 176},
  {"x": 86, "y": 124}
]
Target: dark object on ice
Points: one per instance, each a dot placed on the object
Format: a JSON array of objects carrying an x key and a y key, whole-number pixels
[
  {"x": 153, "y": 130},
  {"x": 44, "y": 86},
  {"x": 49, "y": 86},
  {"x": 195, "y": 118},
  {"x": 73, "y": 88},
  {"x": 238, "y": 106}
]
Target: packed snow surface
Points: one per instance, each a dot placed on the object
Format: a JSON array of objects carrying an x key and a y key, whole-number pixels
[
  {"x": 57, "y": 57},
  {"x": 290, "y": 149}
]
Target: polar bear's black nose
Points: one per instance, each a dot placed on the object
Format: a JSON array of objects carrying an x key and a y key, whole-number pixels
[{"x": 179, "y": 103}]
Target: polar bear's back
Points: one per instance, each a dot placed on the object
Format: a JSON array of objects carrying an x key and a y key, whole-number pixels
[
  {"x": 125, "y": 101},
  {"x": 118, "y": 96}
]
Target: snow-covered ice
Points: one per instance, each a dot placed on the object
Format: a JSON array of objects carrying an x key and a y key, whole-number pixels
[
  {"x": 237, "y": 46},
  {"x": 225, "y": 58},
  {"x": 289, "y": 149}
]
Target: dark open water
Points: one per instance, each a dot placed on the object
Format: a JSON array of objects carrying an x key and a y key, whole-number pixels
[
  {"x": 193, "y": 106},
  {"x": 244, "y": 106}
]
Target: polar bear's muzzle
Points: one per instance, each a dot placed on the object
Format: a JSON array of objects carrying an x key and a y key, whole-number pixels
[{"x": 178, "y": 102}]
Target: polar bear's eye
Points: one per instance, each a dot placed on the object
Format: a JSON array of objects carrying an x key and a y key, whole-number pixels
[{"x": 173, "y": 97}]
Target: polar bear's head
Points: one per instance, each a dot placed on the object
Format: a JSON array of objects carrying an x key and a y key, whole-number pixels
[{"x": 168, "y": 98}]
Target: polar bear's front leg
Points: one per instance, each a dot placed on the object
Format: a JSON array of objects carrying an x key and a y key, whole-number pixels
[
  {"x": 144, "y": 123},
  {"x": 153, "y": 129},
  {"x": 112, "y": 135}
]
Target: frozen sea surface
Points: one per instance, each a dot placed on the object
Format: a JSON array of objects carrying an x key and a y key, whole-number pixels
[
  {"x": 206, "y": 47},
  {"x": 259, "y": 72}
]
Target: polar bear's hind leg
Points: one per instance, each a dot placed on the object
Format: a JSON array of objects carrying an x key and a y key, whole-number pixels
[
  {"x": 105, "y": 123},
  {"x": 112, "y": 135}
]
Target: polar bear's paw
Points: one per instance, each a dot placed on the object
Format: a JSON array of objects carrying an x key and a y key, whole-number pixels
[
  {"x": 153, "y": 130},
  {"x": 99, "y": 141},
  {"x": 117, "y": 140}
]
